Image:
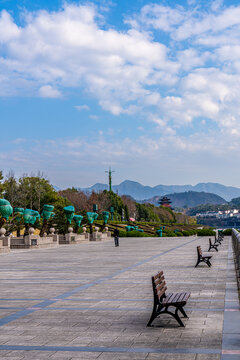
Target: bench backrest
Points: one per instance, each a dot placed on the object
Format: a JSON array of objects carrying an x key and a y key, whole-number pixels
[
  {"x": 199, "y": 251},
  {"x": 159, "y": 286}
]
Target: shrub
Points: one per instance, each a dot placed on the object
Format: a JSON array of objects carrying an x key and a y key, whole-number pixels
[
  {"x": 192, "y": 232},
  {"x": 205, "y": 232},
  {"x": 122, "y": 233},
  {"x": 227, "y": 232},
  {"x": 169, "y": 233},
  {"x": 135, "y": 233},
  {"x": 179, "y": 233}
]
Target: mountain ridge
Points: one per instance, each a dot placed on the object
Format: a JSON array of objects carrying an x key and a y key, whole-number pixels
[
  {"x": 189, "y": 199},
  {"x": 142, "y": 192}
]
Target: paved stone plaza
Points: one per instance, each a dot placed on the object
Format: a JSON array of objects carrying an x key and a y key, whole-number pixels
[{"x": 93, "y": 301}]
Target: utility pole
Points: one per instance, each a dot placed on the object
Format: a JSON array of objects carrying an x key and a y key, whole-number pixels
[{"x": 109, "y": 172}]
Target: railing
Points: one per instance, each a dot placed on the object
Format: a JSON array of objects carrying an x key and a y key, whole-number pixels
[{"x": 236, "y": 250}]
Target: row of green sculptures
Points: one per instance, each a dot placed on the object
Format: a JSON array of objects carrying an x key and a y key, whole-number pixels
[{"x": 30, "y": 217}]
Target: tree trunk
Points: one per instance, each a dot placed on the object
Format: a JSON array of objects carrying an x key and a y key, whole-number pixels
[
  {"x": 91, "y": 228},
  {"x": 18, "y": 231},
  {"x": 44, "y": 228},
  {"x": 26, "y": 232},
  {"x": 102, "y": 227},
  {"x": 2, "y": 222}
]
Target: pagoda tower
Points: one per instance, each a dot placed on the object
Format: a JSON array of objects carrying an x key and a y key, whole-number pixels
[{"x": 165, "y": 201}]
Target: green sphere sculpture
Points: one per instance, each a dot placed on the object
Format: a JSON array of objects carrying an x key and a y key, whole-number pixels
[
  {"x": 29, "y": 216},
  {"x": 91, "y": 216},
  {"x": 47, "y": 213},
  {"x": 77, "y": 219},
  {"x": 6, "y": 210},
  {"x": 105, "y": 216},
  {"x": 69, "y": 213}
]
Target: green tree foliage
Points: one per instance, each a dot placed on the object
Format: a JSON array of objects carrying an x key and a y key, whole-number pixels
[
  {"x": 1, "y": 183},
  {"x": 145, "y": 212},
  {"x": 115, "y": 201},
  {"x": 126, "y": 212},
  {"x": 235, "y": 202},
  {"x": 32, "y": 192},
  {"x": 11, "y": 192}
]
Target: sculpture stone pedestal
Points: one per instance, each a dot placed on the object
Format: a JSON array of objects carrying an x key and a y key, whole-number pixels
[
  {"x": 36, "y": 241},
  {"x": 95, "y": 236},
  {"x": 99, "y": 236},
  {"x": 73, "y": 238},
  {"x": 4, "y": 244}
]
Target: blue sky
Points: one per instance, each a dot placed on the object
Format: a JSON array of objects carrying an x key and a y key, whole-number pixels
[{"x": 150, "y": 88}]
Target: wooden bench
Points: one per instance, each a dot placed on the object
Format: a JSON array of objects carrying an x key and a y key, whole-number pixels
[
  {"x": 163, "y": 301},
  {"x": 203, "y": 258},
  {"x": 213, "y": 246}
]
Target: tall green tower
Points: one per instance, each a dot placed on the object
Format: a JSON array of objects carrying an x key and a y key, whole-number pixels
[{"x": 109, "y": 172}]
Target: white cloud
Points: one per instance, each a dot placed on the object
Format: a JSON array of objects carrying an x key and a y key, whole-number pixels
[
  {"x": 179, "y": 158},
  {"x": 8, "y": 30},
  {"x": 189, "y": 75},
  {"x": 82, "y": 107},
  {"x": 51, "y": 48},
  {"x": 47, "y": 91}
]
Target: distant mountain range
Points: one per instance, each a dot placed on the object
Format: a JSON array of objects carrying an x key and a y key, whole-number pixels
[
  {"x": 141, "y": 192},
  {"x": 189, "y": 199}
]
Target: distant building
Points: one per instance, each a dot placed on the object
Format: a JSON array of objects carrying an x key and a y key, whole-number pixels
[{"x": 165, "y": 201}]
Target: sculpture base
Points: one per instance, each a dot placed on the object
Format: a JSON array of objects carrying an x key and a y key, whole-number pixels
[
  {"x": 4, "y": 244},
  {"x": 34, "y": 242},
  {"x": 99, "y": 236},
  {"x": 72, "y": 238}
]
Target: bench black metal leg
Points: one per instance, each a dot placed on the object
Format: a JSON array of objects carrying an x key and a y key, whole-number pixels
[
  {"x": 213, "y": 247},
  {"x": 197, "y": 263},
  {"x": 178, "y": 318},
  {"x": 183, "y": 312},
  {"x": 208, "y": 263},
  {"x": 156, "y": 313},
  {"x": 153, "y": 316}
]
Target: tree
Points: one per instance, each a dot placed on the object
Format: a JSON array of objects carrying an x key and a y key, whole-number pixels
[
  {"x": 1, "y": 183},
  {"x": 11, "y": 191}
]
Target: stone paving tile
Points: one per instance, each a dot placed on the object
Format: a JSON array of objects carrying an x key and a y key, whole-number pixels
[
  {"x": 15, "y": 354},
  {"x": 208, "y": 357},
  {"x": 117, "y": 356},
  {"x": 85, "y": 356},
  {"x": 36, "y": 355},
  {"x": 152, "y": 356},
  {"x": 46, "y": 274}
]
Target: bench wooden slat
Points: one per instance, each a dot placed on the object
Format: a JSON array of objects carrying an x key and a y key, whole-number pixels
[
  {"x": 162, "y": 292},
  {"x": 184, "y": 297},
  {"x": 158, "y": 275},
  {"x": 161, "y": 285},
  {"x": 174, "y": 298},
  {"x": 169, "y": 298},
  {"x": 159, "y": 280}
]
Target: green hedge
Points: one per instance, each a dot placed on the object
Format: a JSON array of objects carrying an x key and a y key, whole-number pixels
[
  {"x": 169, "y": 233},
  {"x": 227, "y": 232},
  {"x": 206, "y": 232}
]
